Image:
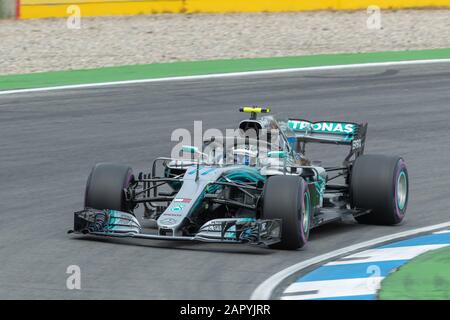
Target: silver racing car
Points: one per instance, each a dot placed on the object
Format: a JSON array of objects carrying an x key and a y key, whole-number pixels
[{"x": 255, "y": 187}]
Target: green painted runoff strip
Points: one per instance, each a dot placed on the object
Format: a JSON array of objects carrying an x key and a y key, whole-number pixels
[
  {"x": 176, "y": 69},
  {"x": 426, "y": 277}
]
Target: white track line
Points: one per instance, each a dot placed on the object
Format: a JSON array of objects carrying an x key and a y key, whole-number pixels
[
  {"x": 265, "y": 289},
  {"x": 386, "y": 254},
  {"x": 333, "y": 288},
  {"x": 442, "y": 232},
  {"x": 226, "y": 75}
]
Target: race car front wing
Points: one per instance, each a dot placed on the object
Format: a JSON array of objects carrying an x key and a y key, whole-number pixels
[{"x": 113, "y": 223}]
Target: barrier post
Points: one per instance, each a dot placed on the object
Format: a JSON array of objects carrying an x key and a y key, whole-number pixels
[{"x": 8, "y": 9}]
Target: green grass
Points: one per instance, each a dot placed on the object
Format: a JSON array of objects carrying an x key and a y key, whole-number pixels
[
  {"x": 162, "y": 70},
  {"x": 425, "y": 277}
]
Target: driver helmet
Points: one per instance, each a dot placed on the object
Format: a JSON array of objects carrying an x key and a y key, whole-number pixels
[{"x": 245, "y": 156}]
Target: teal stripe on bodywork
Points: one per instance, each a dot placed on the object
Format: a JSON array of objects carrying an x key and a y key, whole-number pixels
[{"x": 251, "y": 174}]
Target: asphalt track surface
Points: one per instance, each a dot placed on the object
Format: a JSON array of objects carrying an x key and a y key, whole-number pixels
[{"x": 50, "y": 140}]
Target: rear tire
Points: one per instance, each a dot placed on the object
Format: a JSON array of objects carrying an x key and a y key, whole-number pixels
[
  {"x": 104, "y": 187},
  {"x": 380, "y": 184},
  {"x": 287, "y": 198}
]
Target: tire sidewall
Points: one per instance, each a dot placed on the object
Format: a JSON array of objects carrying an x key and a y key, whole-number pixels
[
  {"x": 374, "y": 187},
  {"x": 400, "y": 167},
  {"x": 126, "y": 183},
  {"x": 305, "y": 209},
  {"x": 283, "y": 199}
]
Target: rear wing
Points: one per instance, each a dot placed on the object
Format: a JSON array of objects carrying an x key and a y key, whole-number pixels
[{"x": 331, "y": 132}]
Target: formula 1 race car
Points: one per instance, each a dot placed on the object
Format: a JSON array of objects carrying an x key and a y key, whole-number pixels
[{"x": 255, "y": 187}]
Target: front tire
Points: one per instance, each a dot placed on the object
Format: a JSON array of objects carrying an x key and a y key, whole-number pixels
[
  {"x": 380, "y": 184},
  {"x": 105, "y": 185},
  {"x": 287, "y": 198}
]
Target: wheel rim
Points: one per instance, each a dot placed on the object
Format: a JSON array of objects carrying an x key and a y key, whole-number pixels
[
  {"x": 305, "y": 219},
  {"x": 402, "y": 190}
]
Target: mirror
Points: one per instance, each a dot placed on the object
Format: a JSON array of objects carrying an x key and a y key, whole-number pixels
[
  {"x": 189, "y": 149},
  {"x": 277, "y": 154}
]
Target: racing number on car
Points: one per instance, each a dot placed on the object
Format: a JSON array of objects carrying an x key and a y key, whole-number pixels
[{"x": 356, "y": 144}]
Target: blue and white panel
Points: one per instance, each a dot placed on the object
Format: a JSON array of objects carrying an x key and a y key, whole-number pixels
[{"x": 358, "y": 276}]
